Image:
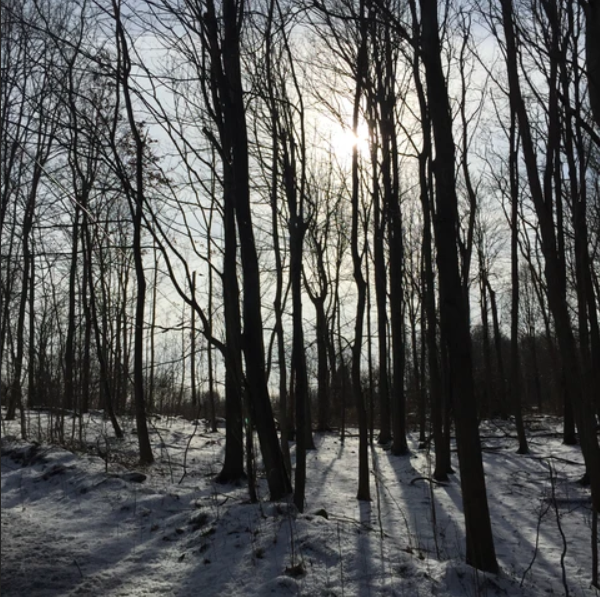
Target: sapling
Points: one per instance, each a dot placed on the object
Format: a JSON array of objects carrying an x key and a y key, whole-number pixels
[
  {"x": 559, "y": 525},
  {"x": 378, "y": 481},
  {"x": 339, "y": 537},
  {"x": 163, "y": 448},
  {"x": 187, "y": 448},
  {"x": 543, "y": 510},
  {"x": 595, "y": 582},
  {"x": 296, "y": 567},
  {"x": 432, "y": 504}
]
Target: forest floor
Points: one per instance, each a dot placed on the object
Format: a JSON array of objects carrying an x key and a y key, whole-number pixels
[{"x": 79, "y": 523}]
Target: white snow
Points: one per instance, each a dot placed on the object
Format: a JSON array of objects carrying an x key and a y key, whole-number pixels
[{"x": 74, "y": 524}]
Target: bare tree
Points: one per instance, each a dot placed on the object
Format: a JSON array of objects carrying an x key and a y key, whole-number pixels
[
  {"x": 554, "y": 271},
  {"x": 454, "y": 304}
]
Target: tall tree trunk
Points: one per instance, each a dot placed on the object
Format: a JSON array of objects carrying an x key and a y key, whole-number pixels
[
  {"x": 151, "y": 392},
  {"x": 70, "y": 339},
  {"x": 379, "y": 224},
  {"x": 554, "y": 273},
  {"x": 577, "y": 155},
  {"x": 297, "y": 229},
  {"x": 136, "y": 197},
  {"x": 87, "y": 338},
  {"x": 363, "y": 492},
  {"x": 236, "y": 420},
  {"x": 342, "y": 385},
  {"x": 515, "y": 360},
  {"x": 416, "y": 368},
  {"x": 238, "y": 174},
  {"x": 233, "y": 464},
  {"x": 323, "y": 389},
  {"x": 278, "y": 301},
  {"x": 486, "y": 408},
  {"x": 392, "y": 216},
  {"x": 592, "y": 51},
  {"x": 33, "y": 379},
  {"x": 441, "y": 445},
  {"x": 106, "y": 392},
  {"x": 193, "y": 378},
  {"x": 423, "y": 385},
  {"x": 16, "y": 391},
  {"x": 370, "y": 367},
  {"x": 454, "y": 304},
  {"x": 501, "y": 395}
]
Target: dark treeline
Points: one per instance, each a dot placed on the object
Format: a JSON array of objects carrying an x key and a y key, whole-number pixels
[{"x": 304, "y": 216}]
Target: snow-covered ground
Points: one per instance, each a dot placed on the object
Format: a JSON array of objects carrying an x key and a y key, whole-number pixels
[{"x": 79, "y": 524}]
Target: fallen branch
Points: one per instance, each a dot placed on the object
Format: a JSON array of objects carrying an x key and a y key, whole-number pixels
[
  {"x": 431, "y": 480},
  {"x": 566, "y": 501},
  {"x": 553, "y": 457}
]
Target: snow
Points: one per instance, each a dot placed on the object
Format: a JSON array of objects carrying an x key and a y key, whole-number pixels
[{"x": 74, "y": 523}]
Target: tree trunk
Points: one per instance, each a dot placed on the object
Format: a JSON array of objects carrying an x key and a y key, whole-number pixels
[
  {"x": 592, "y": 50},
  {"x": 515, "y": 360},
  {"x": 136, "y": 197},
  {"x": 16, "y": 391},
  {"x": 70, "y": 339},
  {"x": 454, "y": 304},
  {"x": 441, "y": 446},
  {"x": 363, "y": 492},
  {"x": 238, "y": 174},
  {"x": 233, "y": 464},
  {"x": 554, "y": 273},
  {"x": 486, "y": 408},
  {"x": 193, "y": 378},
  {"x": 106, "y": 392},
  {"x": 323, "y": 389},
  {"x": 501, "y": 395},
  {"x": 297, "y": 229},
  {"x": 385, "y": 418}
]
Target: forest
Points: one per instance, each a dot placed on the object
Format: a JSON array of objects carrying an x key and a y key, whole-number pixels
[{"x": 280, "y": 226}]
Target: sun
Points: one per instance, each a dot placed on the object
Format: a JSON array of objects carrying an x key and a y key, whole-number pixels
[
  {"x": 338, "y": 138},
  {"x": 344, "y": 140}
]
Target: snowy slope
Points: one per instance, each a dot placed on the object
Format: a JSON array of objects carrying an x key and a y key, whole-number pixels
[{"x": 77, "y": 524}]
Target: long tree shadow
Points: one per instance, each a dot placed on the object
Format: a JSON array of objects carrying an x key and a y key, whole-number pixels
[
  {"x": 517, "y": 491},
  {"x": 112, "y": 537}
]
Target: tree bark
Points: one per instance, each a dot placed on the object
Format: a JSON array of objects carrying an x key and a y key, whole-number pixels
[
  {"x": 554, "y": 273},
  {"x": 363, "y": 492},
  {"x": 233, "y": 464},
  {"x": 454, "y": 305},
  {"x": 238, "y": 173},
  {"x": 592, "y": 51},
  {"x": 136, "y": 197},
  {"x": 515, "y": 360}
]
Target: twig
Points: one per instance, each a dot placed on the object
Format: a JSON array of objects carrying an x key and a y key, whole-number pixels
[
  {"x": 185, "y": 454},
  {"x": 560, "y": 530},
  {"x": 341, "y": 559},
  {"x": 433, "y": 507},
  {"x": 379, "y": 520},
  {"x": 543, "y": 512},
  {"x": 359, "y": 523},
  {"x": 400, "y": 510},
  {"x": 162, "y": 441},
  {"x": 595, "y": 582},
  {"x": 430, "y": 479}
]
